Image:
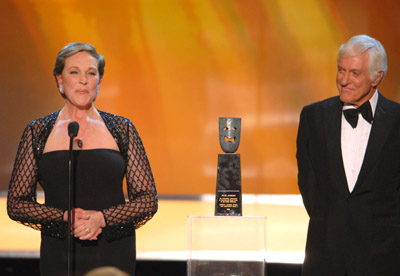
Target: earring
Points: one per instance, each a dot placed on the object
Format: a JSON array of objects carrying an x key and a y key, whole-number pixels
[{"x": 60, "y": 88}]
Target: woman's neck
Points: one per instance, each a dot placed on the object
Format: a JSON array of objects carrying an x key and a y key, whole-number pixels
[{"x": 73, "y": 113}]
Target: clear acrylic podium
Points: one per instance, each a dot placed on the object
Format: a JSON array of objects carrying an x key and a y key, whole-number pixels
[{"x": 226, "y": 246}]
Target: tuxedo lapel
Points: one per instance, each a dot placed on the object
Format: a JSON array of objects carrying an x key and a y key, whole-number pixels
[
  {"x": 333, "y": 134},
  {"x": 379, "y": 132}
]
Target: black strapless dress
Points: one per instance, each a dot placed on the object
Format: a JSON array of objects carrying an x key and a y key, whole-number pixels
[{"x": 99, "y": 175}]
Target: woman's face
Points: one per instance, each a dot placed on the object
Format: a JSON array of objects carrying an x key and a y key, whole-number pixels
[{"x": 80, "y": 79}]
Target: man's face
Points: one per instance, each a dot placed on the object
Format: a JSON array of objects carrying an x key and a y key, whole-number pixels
[
  {"x": 354, "y": 81},
  {"x": 229, "y": 134}
]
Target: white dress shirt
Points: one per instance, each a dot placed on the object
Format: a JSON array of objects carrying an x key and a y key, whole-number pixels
[{"x": 354, "y": 143}]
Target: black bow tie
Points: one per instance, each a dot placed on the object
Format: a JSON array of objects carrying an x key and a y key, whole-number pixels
[{"x": 351, "y": 114}]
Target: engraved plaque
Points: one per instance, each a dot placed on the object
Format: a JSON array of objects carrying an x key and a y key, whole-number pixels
[{"x": 228, "y": 200}]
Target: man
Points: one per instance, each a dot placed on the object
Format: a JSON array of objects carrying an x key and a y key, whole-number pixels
[{"x": 349, "y": 170}]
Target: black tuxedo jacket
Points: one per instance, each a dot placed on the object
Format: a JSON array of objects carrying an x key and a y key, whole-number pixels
[{"x": 357, "y": 233}]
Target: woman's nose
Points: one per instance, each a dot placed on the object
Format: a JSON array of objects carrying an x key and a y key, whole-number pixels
[{"x": 83, "y": 78}]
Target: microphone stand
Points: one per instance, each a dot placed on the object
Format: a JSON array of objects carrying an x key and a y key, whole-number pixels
[{"x": 73, "y": 129}]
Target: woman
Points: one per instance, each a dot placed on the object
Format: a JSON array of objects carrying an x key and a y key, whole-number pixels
[{"x": 106, "y": 149}]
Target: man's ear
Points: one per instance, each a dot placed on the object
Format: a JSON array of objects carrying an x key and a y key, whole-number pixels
[{"x": 378, "y": 79}]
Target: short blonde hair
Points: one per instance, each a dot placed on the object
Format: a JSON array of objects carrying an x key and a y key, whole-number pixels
[{"x": 106, "y": 271}]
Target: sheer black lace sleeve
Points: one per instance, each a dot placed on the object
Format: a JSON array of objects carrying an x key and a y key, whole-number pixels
[
  {"x": 22, "y": 204},
  {"x": 143, "y": 200}
]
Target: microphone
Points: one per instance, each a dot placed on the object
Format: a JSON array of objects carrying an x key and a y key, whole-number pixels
[{"x": 73, "y": 129}]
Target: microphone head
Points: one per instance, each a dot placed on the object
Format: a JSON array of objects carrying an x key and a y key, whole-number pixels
[{"x": 73, "y": 129}]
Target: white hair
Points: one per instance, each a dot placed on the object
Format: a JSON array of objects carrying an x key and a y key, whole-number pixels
[{"x": 377, "y": 60}]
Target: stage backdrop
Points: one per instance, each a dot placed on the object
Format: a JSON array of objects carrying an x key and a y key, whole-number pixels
[{"x": 175, "y": 66}]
